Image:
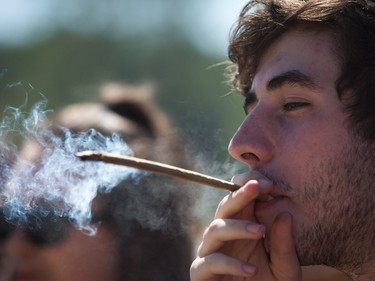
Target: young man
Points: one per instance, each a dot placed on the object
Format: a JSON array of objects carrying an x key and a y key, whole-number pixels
[{"x": 307, "y": 72}]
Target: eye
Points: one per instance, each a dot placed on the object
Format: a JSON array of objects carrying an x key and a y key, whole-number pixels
[
  {"x": 249, "y": 102},
  {"x": 292, "y": 106}
]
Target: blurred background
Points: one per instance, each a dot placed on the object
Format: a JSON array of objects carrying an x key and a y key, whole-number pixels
[{"x": 67, "y": 49}]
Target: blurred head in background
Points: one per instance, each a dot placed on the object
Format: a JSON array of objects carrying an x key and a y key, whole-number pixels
[{"x": 142, "y": 224}]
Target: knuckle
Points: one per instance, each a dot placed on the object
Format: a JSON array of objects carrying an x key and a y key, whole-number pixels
[{"x": 215, "y": 226}]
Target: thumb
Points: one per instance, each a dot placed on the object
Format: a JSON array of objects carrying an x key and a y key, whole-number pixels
[{"x": 283, "y": 257}]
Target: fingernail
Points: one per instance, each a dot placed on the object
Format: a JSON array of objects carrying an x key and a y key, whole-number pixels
[
  {"x": 249, "y": 269},
  {"x": 263, "y": 182},
  {"x": 255, "y": 228}
]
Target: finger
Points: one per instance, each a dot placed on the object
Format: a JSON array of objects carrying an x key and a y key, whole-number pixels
[
  {"x": 284, "y": 260},
  {"x": 209, "y": 267},
  {"x": 221, "y": 231},
  {"x": 237, "y": 201}
]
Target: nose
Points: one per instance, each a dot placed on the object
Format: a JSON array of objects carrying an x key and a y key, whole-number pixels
[{"x": 253, "y": 142}]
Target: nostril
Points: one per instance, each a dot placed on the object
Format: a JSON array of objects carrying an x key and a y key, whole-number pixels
[{"x": 249, "y": 156}]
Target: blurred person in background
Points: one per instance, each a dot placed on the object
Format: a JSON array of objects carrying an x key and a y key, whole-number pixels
[{"x": 142, "y": 224}]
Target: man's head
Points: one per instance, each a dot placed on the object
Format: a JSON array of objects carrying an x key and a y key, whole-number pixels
[
  {"x": 350, "y": 24},
  {"x": 296, "y": 133}
]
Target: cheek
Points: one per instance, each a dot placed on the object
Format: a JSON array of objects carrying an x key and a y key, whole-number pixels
[
  {"x": 83, "y": 257},
  {"x": 300, "y": 149},
  {"x": 310, "y": 142}
]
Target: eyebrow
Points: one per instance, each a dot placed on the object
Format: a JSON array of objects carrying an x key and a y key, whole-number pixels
[{"x": 291, "y": 77}]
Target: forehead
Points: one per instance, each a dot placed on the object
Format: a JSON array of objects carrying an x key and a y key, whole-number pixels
[{"x": 309, "y": 52}]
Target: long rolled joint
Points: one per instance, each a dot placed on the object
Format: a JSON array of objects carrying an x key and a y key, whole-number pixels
[{"x": 157, "y": 167}]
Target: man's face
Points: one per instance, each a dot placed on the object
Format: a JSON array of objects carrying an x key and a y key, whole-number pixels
[
  {"x": 77, "y": 257},
  {"x": 296, "y": 133}
]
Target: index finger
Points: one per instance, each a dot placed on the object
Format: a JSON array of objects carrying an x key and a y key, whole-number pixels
[{"x": 239, "y": 200}]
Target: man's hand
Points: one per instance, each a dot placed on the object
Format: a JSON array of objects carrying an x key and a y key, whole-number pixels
[{"x": 232, "y": 247}]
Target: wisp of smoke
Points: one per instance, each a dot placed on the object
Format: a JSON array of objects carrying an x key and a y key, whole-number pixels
[{"x": 57, "y": 181}]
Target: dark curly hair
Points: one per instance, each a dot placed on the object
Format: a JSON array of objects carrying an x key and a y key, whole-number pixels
[{"x": 352, "y": 26}]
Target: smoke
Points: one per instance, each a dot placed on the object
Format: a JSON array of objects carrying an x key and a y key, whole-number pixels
[
  {"x": 44, "y": 176},
  {"x": 212, "y": 161},
  {"x": 56, "y": 180}
]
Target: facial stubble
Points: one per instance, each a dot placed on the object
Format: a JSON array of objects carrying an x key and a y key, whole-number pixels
[{"x": 342, "y": 210}]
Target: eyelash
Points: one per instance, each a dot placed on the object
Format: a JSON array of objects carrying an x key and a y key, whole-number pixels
[
  {"x": 287, "y": 107},
  {"x": 249, "y": 101},
  {"x": 292, "y": 106}
]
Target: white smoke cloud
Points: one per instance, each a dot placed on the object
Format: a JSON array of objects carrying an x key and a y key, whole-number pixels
[{"x": 58, "y": 180}]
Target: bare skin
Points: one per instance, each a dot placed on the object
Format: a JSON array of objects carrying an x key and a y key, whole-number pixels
[
  {"x": 78, "y": 257},
  {"x": 237, "y": 235}
]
